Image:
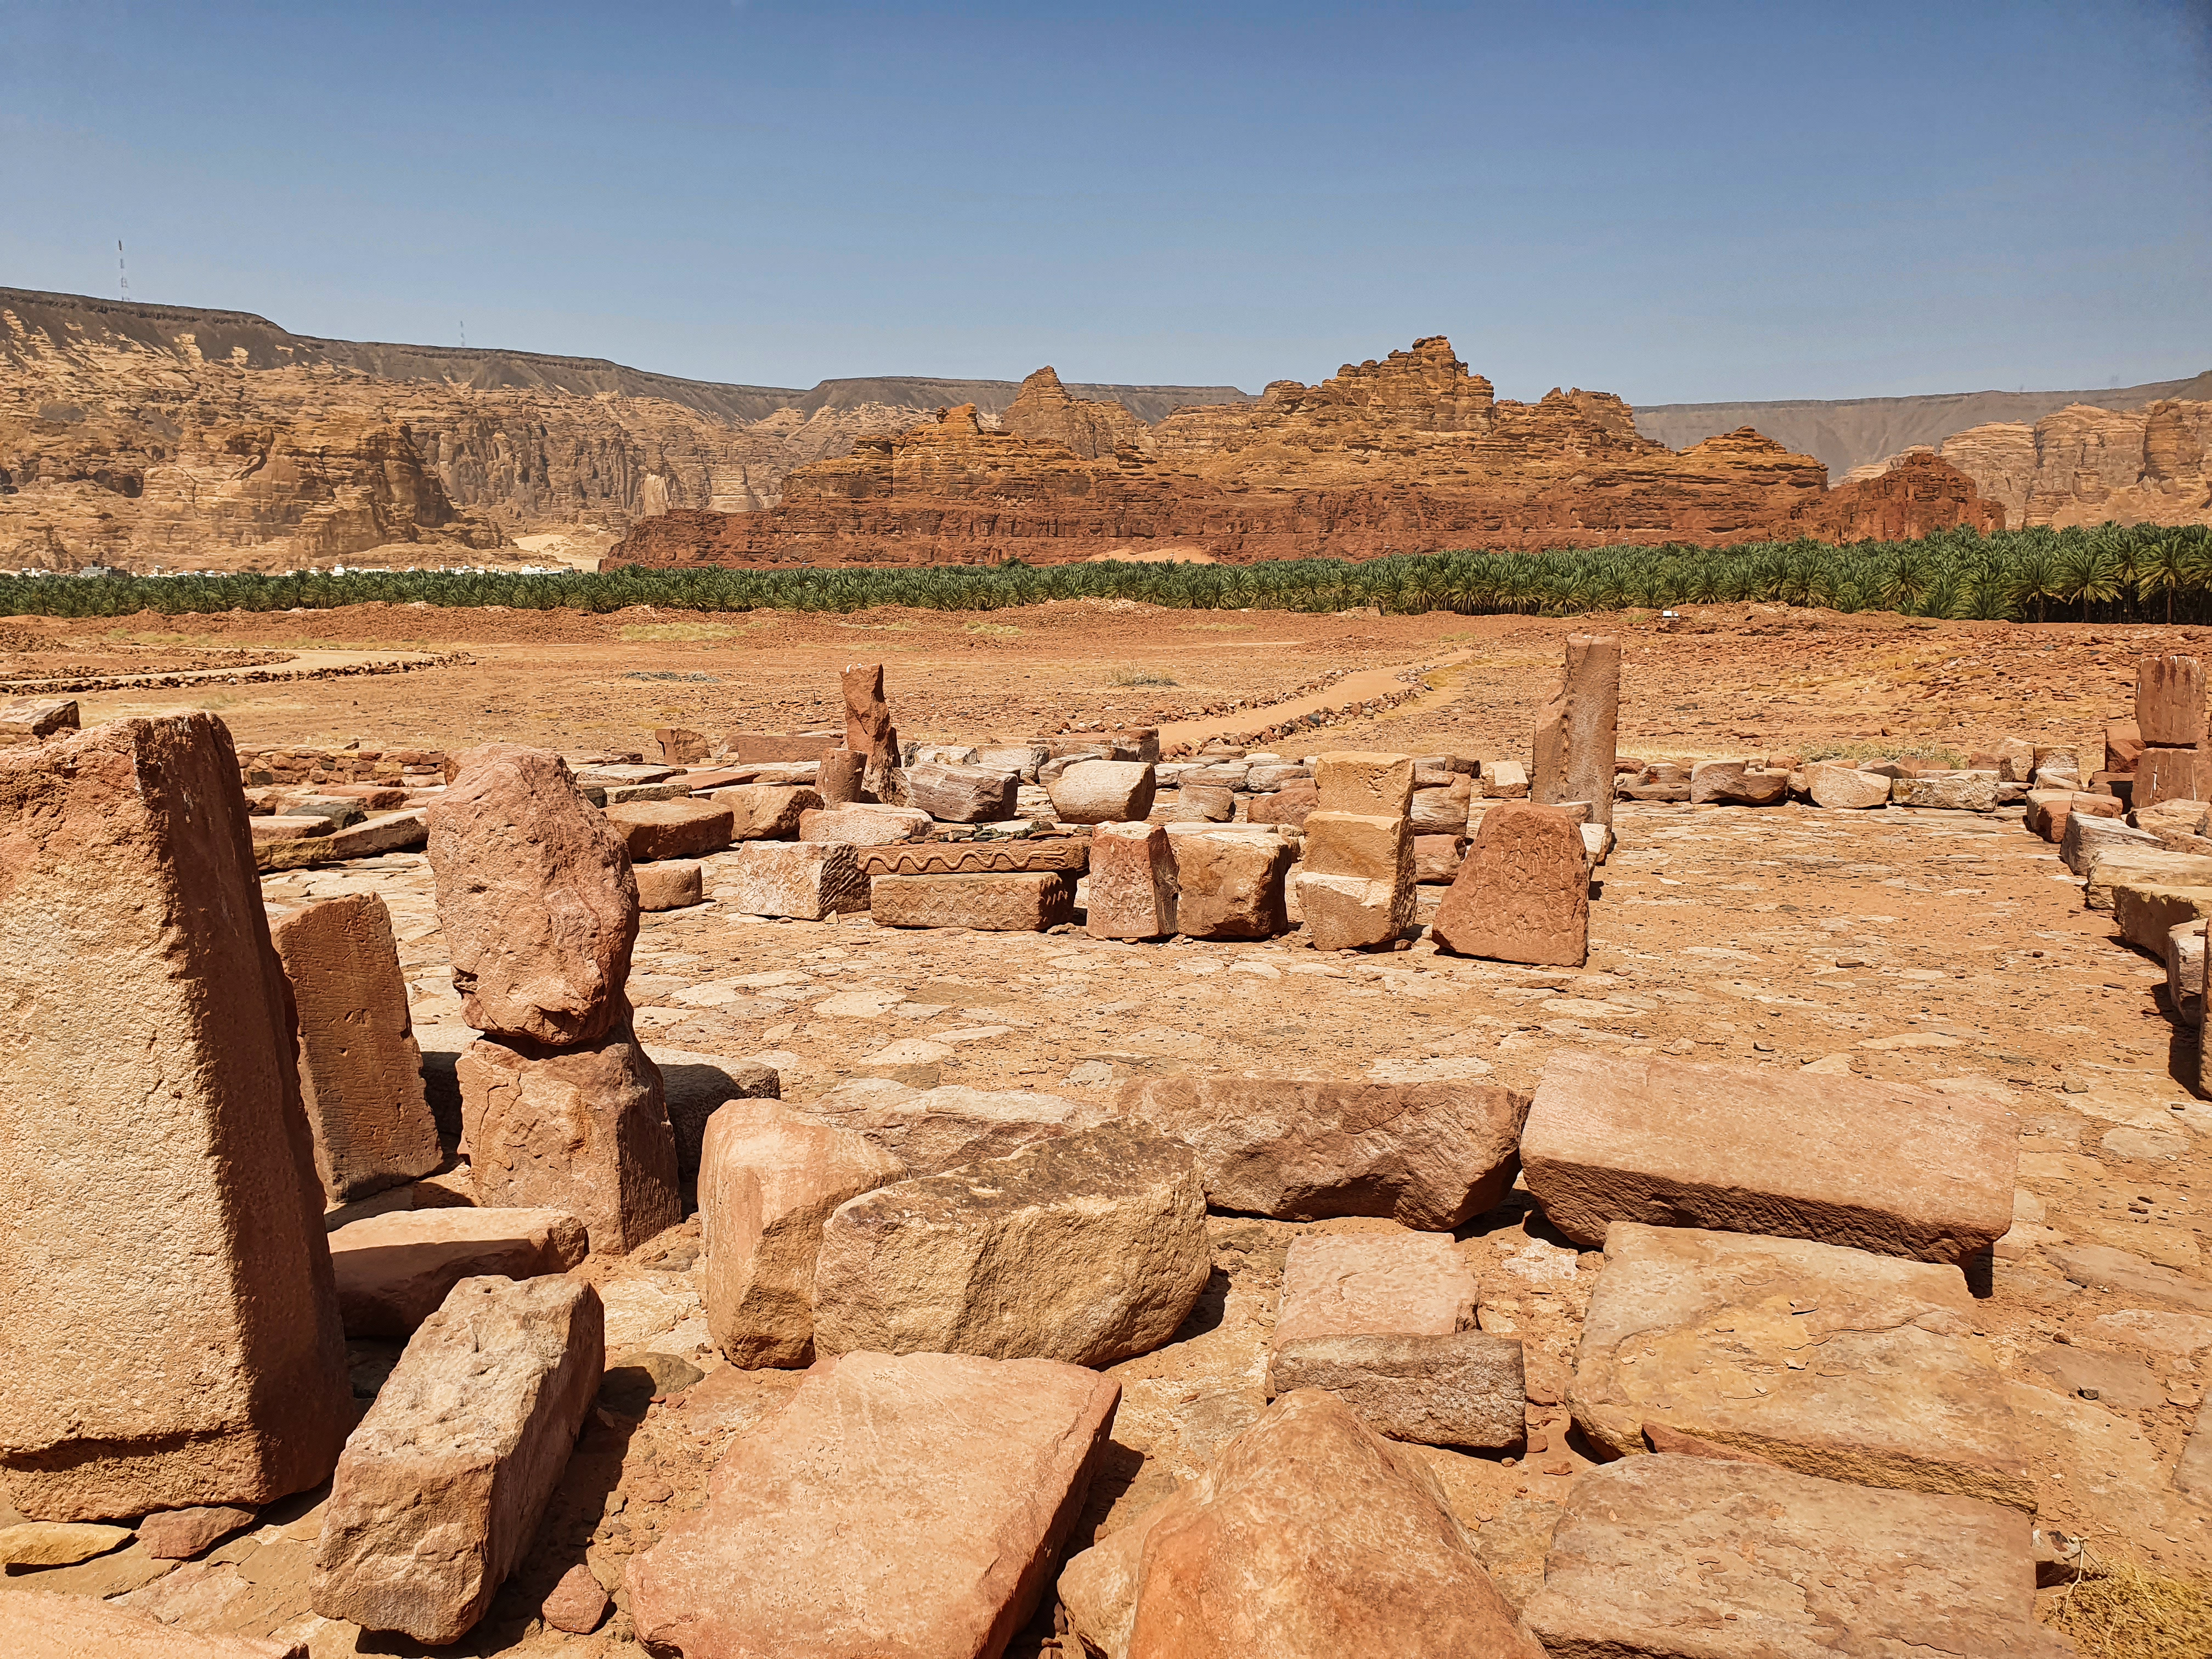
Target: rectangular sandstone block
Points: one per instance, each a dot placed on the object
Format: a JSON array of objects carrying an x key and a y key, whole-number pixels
[
  {"x": 865, "y": 823},
  {"x": 2169, "y": 703},
  {"x": 1504, "y": 780},
  {"x": 36, "y": 719},
  {"x": 1351, "y": 913},
  {"x": 1377, "y": 847},
  {"x": 684, "y": 828},
  {"x": 977, "y": 858},
  {"x": 1025, "y": 902},
  {"x": 1374, "y": 1285},
  {"x": 808, "y": 880},
  {"x": 1132, "y": 892},
  {"x": 780, "y": 745},
  {"x": 2086, "y": 836},
  {"x": 1369, "y": 784},
  {"x": 1868, "y": 1367},
  {"x": 1462, "y": 1389},
  {"x": 463, "y": 1446},
  {"x": 766, "y": 811},
  {"x": 2146, "y": 912},
  {"x": 1229, "y": 885},
  {"x": 1436, "y": 858},
  {"x": 2165, "y": 774},
  {"x": 1929, "y": 1175},
  {"x": 394, "y": 832},
  {"x": 395, "y": 1270},
  {"x": 173, "y": 1337},
  {"x": 1687, "y": 1558},
  {"x": 2111, "y": 867},
  {"x": 2047, "y": 810}
]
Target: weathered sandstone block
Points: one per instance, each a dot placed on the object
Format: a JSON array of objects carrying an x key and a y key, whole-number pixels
[
  {"x": 1290, "y": 805},
  {"x": 1736, "y": 783},
  {"x": 1351, "y": 1536},
  {"x": 927, "y": 1495},
  {"x": 1504, "y": 779},
  {"x": 583, "y": 1130},
  {"x": 950, "y": 1263},
  {"x": 2145, "y": 912},
  {"x": 677, "y": 884},
  {"x": 809, "y": 879},
  {"x": 1365, "y": 783},
  {"x": 2111, "y": 862},
  {"x": 180, "y": 1534},
  {"x": 1462, "y": 1389},
  {"x": 535, "y": 895},
  {"x": 963, "y": 795},
  {"x": 869, "y": 733},
  {"x": 360, "y": 1074},
  {"x": 1437, "y": 858},
  {"x": 1868, "y": 1367},
  {"x": 1930, "y": 1176},
  {"x": 171, "y": 1335},
  {"x": 975, "y": 858},
  {"x": 1523, "y": 893},
  {"x": 1786, "y": 1566},
  {"x": 768, "y": 811},
  {"x": 693, "y": 1084},
  {"x": 442, "y": 1486},
  {"x": 1103, "y": 791},
  {"x": 2165, "y": 774},
  {"x": 2087, "y": 834},
  {"x": 49, "y": 1627},
  {"x": 1575, "y": 743},
  {"x": 1442, "y": 812},
  {"x": 840, "y": 771},
  {"x": 37, "y": 719},
  {"x": 769, "y": 1176},
  {"x": 1956, "y": 792},
  {"x": 930, "y": 1131},
  {"x": 865, "y": 824},
  {"x": 2049, "y": 809},
  {"x": 1846, "y": 787},
  {"x": 395, "y": 1270},
  {"x": 1205, "y": 803},
  {"x": 1351, "y": 913},
  {"x": 2170, "y": 701},
  {"x": 685, "y": 828},
  {"x": 1132, "y": 892},
  {"x": 1229, "y": 886},
  {"x": 2184, "y": 971},
  {"x": 1023, "y": 902},
  {"x": 1374, "y": 1285},
  {"x": 1424, "y": 1155}
]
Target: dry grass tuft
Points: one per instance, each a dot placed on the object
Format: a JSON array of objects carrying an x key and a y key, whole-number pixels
[{"x": 2124, "y": 1611}]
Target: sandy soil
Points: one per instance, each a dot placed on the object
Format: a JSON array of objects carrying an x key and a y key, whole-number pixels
[{"x": 1947, "y": 948}]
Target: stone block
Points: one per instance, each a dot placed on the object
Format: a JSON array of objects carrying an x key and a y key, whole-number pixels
[
  {"x": 944, "y": 1127},
  {"x": 915, "y": 1505},
  {"x": 1441, "y": 812},
  {"x": 1290, "y": 805},
  {"x": 2165, "y": 774},
  {"x": 395, "y": 1270},
  {"x": 2123, "y": 746},
  {"x": 693, "y": 1084},
  {"x": 1685, "y": 1557},
  {"x": 1266, "y": 780},
  {"x": 2110, "y": 865},
  {"x": 1866, "y": 1367},
  {"x": 171, "y": 1333},
  {"x": 949, "y": 1263},
  {"x": 865, "y": 825},
  {"x": 1522, "y": 894},
  {"x": 441, "y": 1488},
  {"x": 1374, "y": 1285},
  {"x": 1437, "y": 858},
  {"x": 1020, "y": 758},
  {"x": 962, "y": 794},
  {"x": 2170, "y": 701},
  {"x": 683, "y": 829},
  {"x": 675, "y": 884},
  {"x": 1424, "y": 1155},
  {"x": 771, "y": 746},
  {"x": 680, "y": 746},
  {"x": 1504, "y": 779},
  {"x": 50, "y": 1627},
  {"x": 1229, "y": 886},
  {"x": 2087, "y": 834},
  {"x": 770, "y": 1177},
  {"x": 839, "y": 776},
  {"x": 2145, "y": 912},
  {"x": 180, "y": 1534},
  {"x": 1462, "y": 1389},
  {"x": 869, "y": 732},
  {"x": 1738, "y": 1150},
  {"x": 286, "y": 826},
  {"x": 1736, "y": 783},
  {"x": 1575, "y": 743},
  {"x": 535, "y": 895},
  {"x": 1351, "y": 913},
  {"x": 2184, "y": 971},
  {"x": 35, "y": 718},
  {"x": 360, "y": 1074},
  {"x": 1955, "y": 792},
  {"x": 584, "y": 1130},
  {"x": 808, "y": 880},
  {"x": 1355, "y": 844},
  {"x": 766, "y": 811},
  {"x": 1371, "y": 785},
  {"x": 1845, "y": 788},
  {"x": 1205, "y": 803},
  {"x": 1336, "y": 1542},
  {"x": 393, "y": 832},
  {"x": 1069, "y": 854},
  {"x": 1131, "y": 891},
  {"x": 2047, "y": 810},
  {"x": 1025, "y": 902},
  {"x": 1102, "y": 792}
]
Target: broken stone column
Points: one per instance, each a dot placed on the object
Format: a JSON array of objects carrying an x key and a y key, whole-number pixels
[
  {"x": 172, "y": 1337},
  {"x": 870, "y": 734},
  {"x": 1356, "y": 882},
  {"x": 838, "y": 776},
  {"x": 1575, "y": 745},
  {"x": 442, "y": 1486},
  {"x": 2170, "y": 718},
  {"x": 1131, "y": 891},
  {"x": 360, "y": 1074},
  {"x": 1523, "y": 893}
]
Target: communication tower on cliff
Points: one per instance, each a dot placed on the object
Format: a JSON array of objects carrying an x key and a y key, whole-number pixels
[{"x": 122, "y": 275}]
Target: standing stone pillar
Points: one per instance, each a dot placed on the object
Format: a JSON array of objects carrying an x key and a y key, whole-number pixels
[
  {"x": 840, "y": 776},
  {"x": 869, "y": 734},
  {"x": 1577, "y": 731},
  {"x": 1356, "y": 882},
  {"x": 169, "y": 1333},
  {"x": 560, "y": 1107},
  {"x": 2170, "y": 718}
]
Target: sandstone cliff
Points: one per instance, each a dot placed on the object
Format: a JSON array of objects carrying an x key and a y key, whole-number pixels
[
  {"x": 2084, "y": 465},
  {"x": 1090, "y": 428}
]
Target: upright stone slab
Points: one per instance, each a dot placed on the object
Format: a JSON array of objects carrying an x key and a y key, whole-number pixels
[
  {"x": 1867, "y": 1367},
  {"x": 2170, "y": 702},
  {"x": 956, "y": 1263},
  {"x": 768, "y": 1178},
  {"x": 535, "y": 895},
  {"x": 1374, "y": 1285},
  {"x": 1523, "y": 893},
  {"x": 360, "y": 1074},
  {"x": 584, "y": 1130},
  {"x": 2165, "y": 774},
  {"x": 1308, "y": 1534},
  {"x": 1356, "y": 880},
  {"x": 1229, "y": 886},
  {"x": 870, "y": 734},
  {"x": 171, "y": 1335},
  {"x": 1690, "y": 1556},
  {"x": 1424, "y": 1155},
  {"x": 839, "y": 775},
  {"x": 914, "y": 1506},
  {"x": 442, "y": 1486},
  {"x": 1928, "y": 1174},
  {"x": 1575, "y": 743},
  {"x": 1131, "y": 891}
]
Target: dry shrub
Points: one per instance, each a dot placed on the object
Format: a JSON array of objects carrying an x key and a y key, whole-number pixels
[{"x": 2121, "y": 1610}]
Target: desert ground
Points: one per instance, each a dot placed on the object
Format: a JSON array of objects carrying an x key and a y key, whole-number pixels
[{"x": 1948, "y": 948}]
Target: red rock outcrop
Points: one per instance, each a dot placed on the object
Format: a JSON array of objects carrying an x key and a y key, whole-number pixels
[
  {"x": 1921, "y": 492},
  {"x": 1090, "y": 429}
]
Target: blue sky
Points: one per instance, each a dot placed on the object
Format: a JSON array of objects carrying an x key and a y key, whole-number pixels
[{"x": 1675, "y": 204}]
